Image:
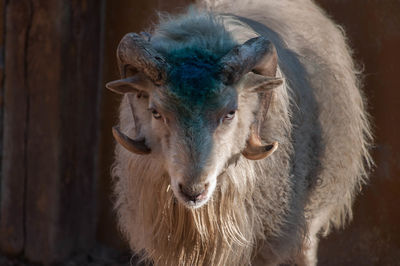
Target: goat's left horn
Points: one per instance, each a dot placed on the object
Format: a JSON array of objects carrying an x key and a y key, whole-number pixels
[
  {"x": 135, "y": 146},
  {"x": 255, "y": 150},
  {"x": 135, "y": 52}
]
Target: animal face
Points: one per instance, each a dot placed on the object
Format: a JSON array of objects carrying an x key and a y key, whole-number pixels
[
  {"x": 194, "y": 111},
  {"x": 196, "y": 140}
]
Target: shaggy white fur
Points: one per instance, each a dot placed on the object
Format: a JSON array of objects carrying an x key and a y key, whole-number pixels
[{"x": 262, "y": 212}]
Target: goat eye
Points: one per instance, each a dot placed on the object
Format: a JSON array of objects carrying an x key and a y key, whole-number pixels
[
  {"x": 230, "y": 115},
  {"x": 156, "y": 114}
]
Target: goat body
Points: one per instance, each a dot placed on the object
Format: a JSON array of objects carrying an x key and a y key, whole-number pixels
[{"x": 259, "y": 212}]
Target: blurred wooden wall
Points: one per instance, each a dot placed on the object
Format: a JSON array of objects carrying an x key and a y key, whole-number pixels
[{"x": 50, "y": 77}]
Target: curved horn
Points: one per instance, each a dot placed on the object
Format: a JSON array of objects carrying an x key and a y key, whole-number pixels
[
  {"x": 255, "y": 150},
  {"x": 257, "y": 55},
  {"x": 136, "y": 52},
  {"x": 135, "y": 146}
]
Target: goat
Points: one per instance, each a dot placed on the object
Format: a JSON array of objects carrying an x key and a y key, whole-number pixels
[{"x": 243, "y": 136}]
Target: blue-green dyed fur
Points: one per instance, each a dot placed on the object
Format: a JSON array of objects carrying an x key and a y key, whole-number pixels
[{"x": 193, "y": 76}]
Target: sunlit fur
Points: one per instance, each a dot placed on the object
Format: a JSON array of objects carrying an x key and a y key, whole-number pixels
[{"x": 262, "y": 212}]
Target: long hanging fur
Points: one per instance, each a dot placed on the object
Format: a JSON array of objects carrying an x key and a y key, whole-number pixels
[{"x": 266, "y": 209}]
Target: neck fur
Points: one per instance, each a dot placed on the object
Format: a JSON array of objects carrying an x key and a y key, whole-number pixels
[{"x": 220, "y": 233}]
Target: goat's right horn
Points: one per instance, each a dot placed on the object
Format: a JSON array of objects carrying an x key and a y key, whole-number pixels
[
  {"x": 135, "y": 52},
  {"x": 135, "y": 146}
]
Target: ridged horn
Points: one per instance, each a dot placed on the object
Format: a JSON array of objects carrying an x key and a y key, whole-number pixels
[
  {"x": 138, "y": 63},
  {"x": 135, "y": 146},
  {"x": 257, "y": 55},
  {"x": 137, "y": 54}
]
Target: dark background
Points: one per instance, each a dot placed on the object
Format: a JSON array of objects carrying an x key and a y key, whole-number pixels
[{"x": 56, "y": 118}]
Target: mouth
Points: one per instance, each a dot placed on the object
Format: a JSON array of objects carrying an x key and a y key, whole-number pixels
[
  {"x": 194, "y": 201},
  {"x": 194, "y": 204}
]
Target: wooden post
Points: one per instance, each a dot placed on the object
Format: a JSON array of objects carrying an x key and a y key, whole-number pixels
[
  {"x": 14, "y": 128},
  {"x": 51, "y": 101}
]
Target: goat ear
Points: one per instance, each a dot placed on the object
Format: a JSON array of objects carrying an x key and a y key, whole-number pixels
[
  {"x": 135, "y": 83},
  {"x": 252, "y": 82}
]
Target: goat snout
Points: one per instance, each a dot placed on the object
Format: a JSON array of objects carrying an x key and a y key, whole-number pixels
[{"x": 194, "y": 192}]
